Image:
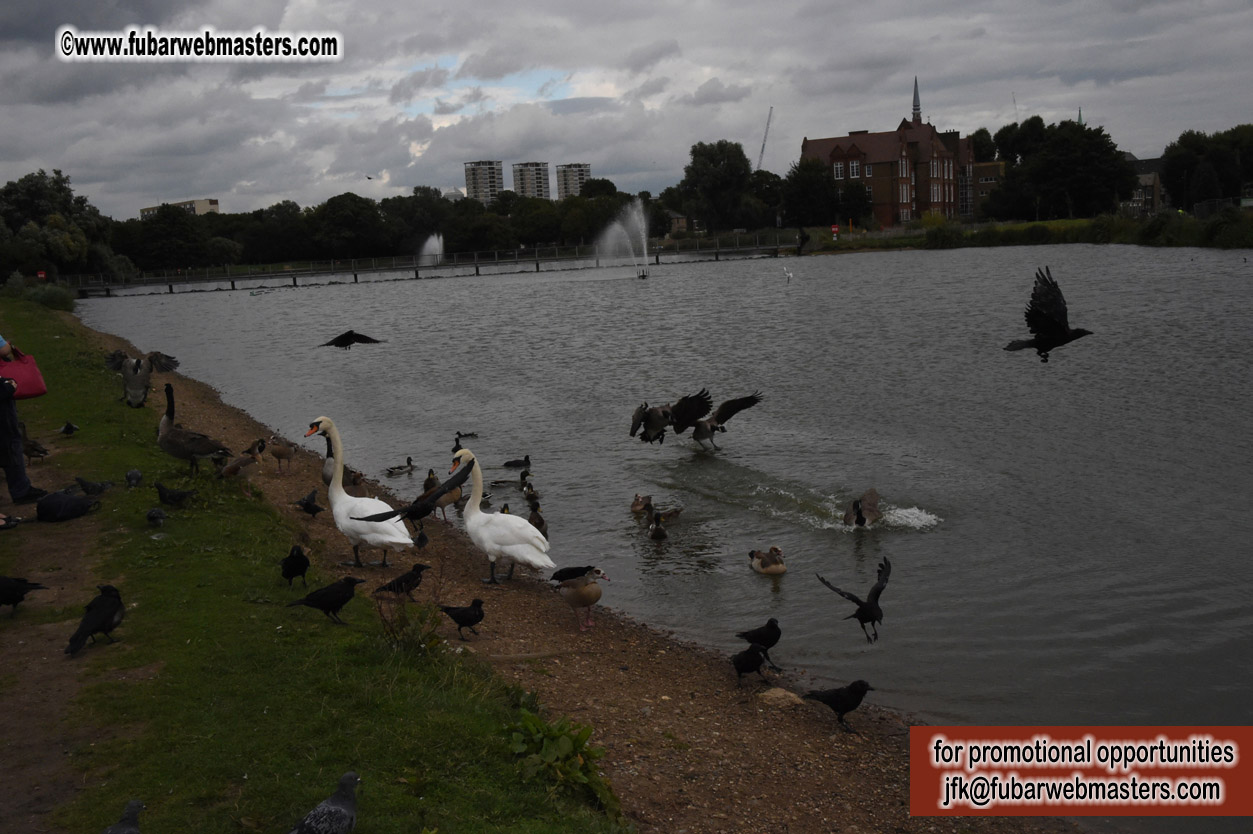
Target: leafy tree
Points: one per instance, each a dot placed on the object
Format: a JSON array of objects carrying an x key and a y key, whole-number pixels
[
  {"x": 536, "y": 221},
  {"x": 597, "y": 187},
  {"x": 714, "y": 183},
  {"x": 349, "y": 226},
  {"x": 810, "y": 196},
  {"x": 1197, "y": 166},
  {"x": 47, "y": 227},
  {"x": 982, "y": 145},
  {"x": 1062, "y": 170}
]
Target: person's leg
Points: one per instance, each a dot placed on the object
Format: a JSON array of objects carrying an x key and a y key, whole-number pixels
[{"x": 12, "y": 458}]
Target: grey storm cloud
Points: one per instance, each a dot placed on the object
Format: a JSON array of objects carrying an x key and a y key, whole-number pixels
[{"x": 627, "y": 87}]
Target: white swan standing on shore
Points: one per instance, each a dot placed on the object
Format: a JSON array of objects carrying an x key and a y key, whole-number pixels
[
  {"x": 500, "y": 534},
  {"x": 385, "y": 534}
]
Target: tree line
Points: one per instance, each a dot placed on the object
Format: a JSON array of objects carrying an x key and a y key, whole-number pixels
[{"x": 1062, "y": 170}]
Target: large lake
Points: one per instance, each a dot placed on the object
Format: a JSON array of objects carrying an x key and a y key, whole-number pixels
[{"x": 1070, "y": 542}]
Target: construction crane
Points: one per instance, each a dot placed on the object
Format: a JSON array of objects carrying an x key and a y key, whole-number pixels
[{"x": 762, "y": 155}]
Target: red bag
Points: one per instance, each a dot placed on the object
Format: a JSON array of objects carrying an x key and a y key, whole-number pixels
[{"x": 24, "y": 371}]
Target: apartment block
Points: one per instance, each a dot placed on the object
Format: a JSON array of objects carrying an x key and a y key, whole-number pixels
[
  {"x": 570, "y": 178},
  {"x": 485, "y": 180},
  {"x": 530, "y": 179}
]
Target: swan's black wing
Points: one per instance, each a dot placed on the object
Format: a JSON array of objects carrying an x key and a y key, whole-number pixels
[
  {"x": 885, "y": 569},
  {"x": 729, "y": 408},
  {"x": 1046, "y": 312},
  {"x": 424, "y": 505},
  {"x": 690, "y": 409},
  {"x": 850, "y": 597}
]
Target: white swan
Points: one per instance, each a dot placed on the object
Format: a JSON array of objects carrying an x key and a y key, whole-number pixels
[
  {"x": 385, "y": 534},
  {"x": 499, "y": 534}
]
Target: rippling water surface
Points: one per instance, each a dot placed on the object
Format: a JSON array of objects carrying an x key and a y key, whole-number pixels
[{"x": 1070, "y": 541}]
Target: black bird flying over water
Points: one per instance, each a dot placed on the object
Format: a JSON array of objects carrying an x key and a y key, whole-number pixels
[
  {"x": 348, "y": 339},
  {"x": 843, "y": 700},
  {"x": 1047, "y": 318},
  {"x": 103, "y": 614},
  {"x": 14, "y": 589},
  {"x": 331, "y": 598},
  {"x": 868, "y": 611},
  {"x": 295, "y": 563},
  {"x": 651, "y": 422}
]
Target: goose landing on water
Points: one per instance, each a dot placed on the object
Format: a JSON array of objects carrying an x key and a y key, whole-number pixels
[
  {"x": 497, "y": 535},
  {"x": 390, "y": 534}
]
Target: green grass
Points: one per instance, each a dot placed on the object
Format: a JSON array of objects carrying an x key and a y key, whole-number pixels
[{"x": 227, "y": 710}]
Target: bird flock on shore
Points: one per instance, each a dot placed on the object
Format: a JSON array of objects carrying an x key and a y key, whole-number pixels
[{"x": 502, "y": 536}]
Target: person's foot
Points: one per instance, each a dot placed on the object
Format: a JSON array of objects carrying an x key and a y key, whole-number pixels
[
  {"x": 32, "y": 495},
  {"x": 8, "y": 522}
]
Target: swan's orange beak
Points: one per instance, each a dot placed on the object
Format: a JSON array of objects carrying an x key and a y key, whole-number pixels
[
  {"x": 455, "y": 463},
  {"x": 313, "y": 429}
]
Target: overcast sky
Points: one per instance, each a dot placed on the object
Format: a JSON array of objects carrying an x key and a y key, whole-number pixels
[{"x": 628, "y": 87}]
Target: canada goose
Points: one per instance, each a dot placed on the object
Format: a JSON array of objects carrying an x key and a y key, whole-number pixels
[
  {"x": 500, "y": 535},
  {"x": 282, "y": 450},
  {"x": 868, "y": 611},
  {"x": 641, "y": 503},
  {"x": 655, "y": 531},
  {"x": 402, "y": 468},
  {"x": 383, "y": 534},
  {"x": 579, "y": 588},
  {"x": 651, "y": 422},
  {"x": 769, "y": 562},
  {"x": 864, "y": 511},
  {"x": 523, "y": 462},
  {"x": 136, "y": 373},
  {"x": 707, "y": 428},
  {"x": 349, "y": 338},
  {"x": 184, "y": 444},
  {"x": 465, "y": 617},
  {"x": 1047, "y": 318}
]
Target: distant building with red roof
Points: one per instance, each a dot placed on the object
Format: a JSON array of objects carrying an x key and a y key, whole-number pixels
[{"x": 907, "y": 172}]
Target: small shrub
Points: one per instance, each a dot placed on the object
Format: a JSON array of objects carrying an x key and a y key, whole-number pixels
[
  {"x": 560, "y": 753},
  {"x": 53, "y": 296},
  {"x": 946, "y": 236}
]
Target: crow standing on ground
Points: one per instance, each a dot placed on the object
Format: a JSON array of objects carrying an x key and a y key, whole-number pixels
[
  {"x": 309, "y": 504},
  {"x": 842, "y": 700},
  {"x": 14, "y": 589},
  {"x": 129, "y": 823},
  {"x": 156, "y": 516},
  {"x": 868, "y": 611},
  {"x": 295, "y": 563},
  {"x": 331, "y": 598},
  {"x": 103, "y": 614},
  {"x": 466, "y": 617},
  {"x": 751, "y": 660},
  {"x": 349, "y": 338},
  {"x": 1047, "y": 318},
  {"x": 406, "y": 583},
  {"x": 173, "y": 497},
  {"x": 766, "y": 636},
  {"x": 133, "y": 478},
  {"x": 336, "y": 815}
]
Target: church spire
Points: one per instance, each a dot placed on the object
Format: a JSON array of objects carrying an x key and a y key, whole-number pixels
[{"x": 917, "y": 103}]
